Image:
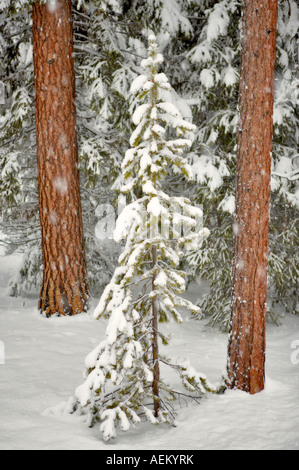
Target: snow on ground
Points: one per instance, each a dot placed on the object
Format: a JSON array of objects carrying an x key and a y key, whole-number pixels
[{"x": 44, "y": 361}]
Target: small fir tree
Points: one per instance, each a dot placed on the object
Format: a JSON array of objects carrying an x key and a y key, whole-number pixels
[{"x": 123, "y": 373}]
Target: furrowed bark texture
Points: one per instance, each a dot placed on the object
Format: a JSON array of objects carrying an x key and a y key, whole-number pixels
[
  {"x": 246, "y": 350},
  {"x": 65, "y": 288}
]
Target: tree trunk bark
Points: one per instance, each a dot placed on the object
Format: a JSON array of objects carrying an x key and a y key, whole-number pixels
[
  {"x": 65, "y": 289},
  {"x": 246, "y": 350}
]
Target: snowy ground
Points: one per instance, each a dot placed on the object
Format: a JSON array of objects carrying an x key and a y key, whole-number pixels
[{"x": 44, "y": 361}]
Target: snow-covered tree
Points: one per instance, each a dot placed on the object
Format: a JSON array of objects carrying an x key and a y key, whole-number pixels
[
  {"x": 284, "y": 233},
  {"x": 18, "y": 187},
  {"x": 123, "y": 373}
]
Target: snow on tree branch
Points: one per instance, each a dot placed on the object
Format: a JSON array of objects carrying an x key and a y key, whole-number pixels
[{"x": 146, "y": 287}]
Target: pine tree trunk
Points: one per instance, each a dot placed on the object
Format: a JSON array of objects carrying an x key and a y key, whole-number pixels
[
  {"x": 246, "y": 350},
  {"x": 65, "y": 288}
]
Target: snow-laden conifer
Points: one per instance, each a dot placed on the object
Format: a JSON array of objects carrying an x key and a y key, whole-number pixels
[{"x": 123, "y": 379}]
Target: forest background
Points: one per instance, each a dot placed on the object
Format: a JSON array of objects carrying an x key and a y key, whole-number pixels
[{"x": 201, "y": 45}]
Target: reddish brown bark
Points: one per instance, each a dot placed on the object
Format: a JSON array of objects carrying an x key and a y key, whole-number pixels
[
  {"x": 65, "y": 288},
  {"x": 246, "y": 350}
]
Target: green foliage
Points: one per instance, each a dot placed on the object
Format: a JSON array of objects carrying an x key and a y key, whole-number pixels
[{"x": 201, "y": 44}]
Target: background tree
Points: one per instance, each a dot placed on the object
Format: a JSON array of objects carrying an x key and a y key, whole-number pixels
[
  {"x": 18, "y": 186},
  {"x": 246, "y": 351},
  {"x": 201, "y": 44},
  {"x": 65, "y": 288}
]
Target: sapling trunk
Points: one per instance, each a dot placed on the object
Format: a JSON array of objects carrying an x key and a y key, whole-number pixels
[{"x": 155, "y": 309}]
